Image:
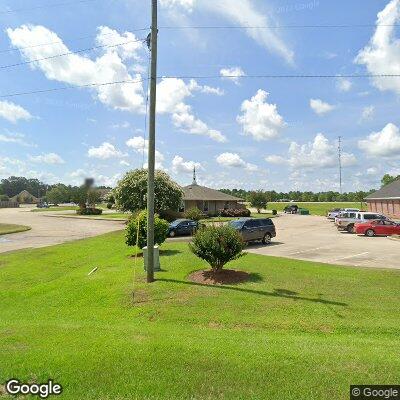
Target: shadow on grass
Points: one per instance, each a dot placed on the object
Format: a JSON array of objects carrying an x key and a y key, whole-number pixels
[
  {"x": 169, "y": 252},
  {"x": 282, "y": 293}
]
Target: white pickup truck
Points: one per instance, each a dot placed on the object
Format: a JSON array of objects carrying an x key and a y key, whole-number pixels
[{"x": 346, "y": 220}]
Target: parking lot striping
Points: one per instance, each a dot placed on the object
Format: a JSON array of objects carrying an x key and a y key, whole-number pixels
[
  {"x": 345, "y": 258},
  {"x": 306, "y": 251}
]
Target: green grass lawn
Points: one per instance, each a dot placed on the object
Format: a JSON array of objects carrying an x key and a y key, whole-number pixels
[
  {"x": 11, "y": 228},
  {"x": 298, "y": 330},
  {"x": 317, "y": 208}
]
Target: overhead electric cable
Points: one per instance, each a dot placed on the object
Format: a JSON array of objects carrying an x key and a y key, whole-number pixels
[
  {"x": 69, "y": 53},
  {"x": 67, "y": 40},
  {"x": 201, "y": 77}
]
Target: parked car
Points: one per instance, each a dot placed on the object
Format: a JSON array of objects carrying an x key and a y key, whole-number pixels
[
  {"x": 332, "y": 214},
  {"x": 42, "y": 205},
  {"x": 347, "y": 220},
  {"x": 182, "y": 227},
  {"x": 253, "y": 229},
  {"x": 381, "y": 228},
  {"x": 336, "y": 212},
  {"x": 292, "y": 209}
]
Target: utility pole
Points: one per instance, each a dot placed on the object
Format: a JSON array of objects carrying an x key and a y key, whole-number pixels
[
  {"x": 340, "y": 164},
  {"x": 152, "y": 144}
]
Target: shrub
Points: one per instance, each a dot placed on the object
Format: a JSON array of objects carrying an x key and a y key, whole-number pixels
[
  {"x": 217, "y": 245},
  {"x": 235, "y": 213},
  {"x": 195, "y": 214},
  {"x": 109, "y": 206},
  {"x": 274, "y": 212},
  {"x": 160, "y": 230},
  {"x": 89, "y": 211}
]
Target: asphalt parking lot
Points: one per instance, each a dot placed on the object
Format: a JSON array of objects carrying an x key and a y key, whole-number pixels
[
  {"x": 47, "y": 230},
  {"x": 315, "y": 238}
]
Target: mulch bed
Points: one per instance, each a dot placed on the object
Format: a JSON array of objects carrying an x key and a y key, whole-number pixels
[{"x": 224, "y": 277}]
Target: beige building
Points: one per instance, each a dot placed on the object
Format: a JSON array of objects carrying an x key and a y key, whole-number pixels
[{"x": 208, "y": 200}]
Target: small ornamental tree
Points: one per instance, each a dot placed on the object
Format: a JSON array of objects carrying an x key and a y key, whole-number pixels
[
  {"x": 194, "y": 214},
  {"x": 258, "y": 200},
  {"x": 131, "y": 192},
  {"x": 160, "y": 230},
  {"x": 217, "y": 245}
]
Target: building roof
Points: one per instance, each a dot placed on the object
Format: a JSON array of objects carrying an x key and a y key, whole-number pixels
[
  {"x": 388, "y": 192},
  {"x": 197, "y": 192},
  {"x": 23, "y": 194}
]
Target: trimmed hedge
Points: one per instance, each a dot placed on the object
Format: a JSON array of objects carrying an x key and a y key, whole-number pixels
[
  {"x": 235, "y": 213},
  {"x": 89, "y": 211}
]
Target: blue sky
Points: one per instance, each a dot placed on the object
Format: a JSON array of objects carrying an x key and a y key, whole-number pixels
[{"x": 238, "y": 131}]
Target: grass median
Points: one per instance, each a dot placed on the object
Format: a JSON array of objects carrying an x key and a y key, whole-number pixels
[
  {"x": 6, "y": 229},
  {"x": 297, "y": 330}
]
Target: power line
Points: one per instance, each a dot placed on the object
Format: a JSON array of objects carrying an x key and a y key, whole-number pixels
[
  {"x": 281, "y": 26},
  {"x": 197, "y": 77},
  {"x": 70, "y": 87},
  {"x": 67, "y": 40},
  {"x": 298, "y": 76},
  {"x": 39, "y": 7},
  {"x": 69, "y": 53}
]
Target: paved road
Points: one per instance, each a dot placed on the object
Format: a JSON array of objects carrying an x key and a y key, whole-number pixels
[
  {"x": 316, "y": 239},
  {"x": 47, "y": 231}
]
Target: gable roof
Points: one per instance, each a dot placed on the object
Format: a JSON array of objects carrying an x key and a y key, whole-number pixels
[
  {"x": 197, "y": 192},
  {"x": 23, "y": 194},
  {"x": 388, "y": 192}
]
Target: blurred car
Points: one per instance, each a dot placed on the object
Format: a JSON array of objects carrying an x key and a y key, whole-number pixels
[
  {"x": 378, "y": 228},
  {"x": 182, "y": 227},
  {"x": 337, "y": 212},
  {"x": 292, "y": 209},
  {"x": 42, "y": 205},
  {"x": 254, "y": 229}
]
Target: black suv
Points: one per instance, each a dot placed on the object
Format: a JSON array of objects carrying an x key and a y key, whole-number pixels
[
  {"x": 252, "y": 229},
  {"x": 292, "y": 209}
]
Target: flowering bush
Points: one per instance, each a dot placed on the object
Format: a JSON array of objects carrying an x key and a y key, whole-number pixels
[{"x": 235, "y": 213}]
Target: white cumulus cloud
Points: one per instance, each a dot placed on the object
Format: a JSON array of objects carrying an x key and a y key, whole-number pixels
[
  {"x": 48, "y": 158},
  {"x": 234, "y": 74},
  {"x": 320, "y": 153},
  {"x": 260, "y": 119},
  {"x": 320, "y": 107},
  {"x": 179, "y": 165},
  {"x": 343, "y": 84},
  {"x": 141, "y": 146},
  {"x": 385, "y": 143},
  {"x": 235, "y": 161},
  {"x": 171, "y": 97},
  {"x": 75, "y": 69},
  {"x": 382, "y": 54},
  {"x": 104, "y": 152},
  {"x": 13, "y": 112}
]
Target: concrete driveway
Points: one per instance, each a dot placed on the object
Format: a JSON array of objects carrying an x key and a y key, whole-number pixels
[
  {"x": 314, "y": 238},
  {"x": 47, "y": 230}
]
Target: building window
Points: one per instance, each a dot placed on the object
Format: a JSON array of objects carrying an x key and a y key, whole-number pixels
[
  {"x": 226, "y": 206},
  {"x": 182, "y": 207},
  {"x": 205, "y": 206}
]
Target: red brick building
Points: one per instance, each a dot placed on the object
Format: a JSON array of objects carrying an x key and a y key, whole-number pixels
[{"x": 386, "y": 200}]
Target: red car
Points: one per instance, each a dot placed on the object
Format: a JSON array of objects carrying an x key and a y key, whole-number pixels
[{"x": 374, "y": 228}]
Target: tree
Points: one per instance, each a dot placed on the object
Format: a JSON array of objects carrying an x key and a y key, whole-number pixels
[
  {"x": 258, "y": 200},
  {"x": 93, "y": 197},
  {"x": 217, "y": 245},
  {"x": 58, "y": 194},
  {"x": 131, "y": 192},
  {"x": 133, "y": 237},
  {"x": 79, "y": 196},
  {"x": 16, "y": 184},
  {"x": 387, "y": 179}
]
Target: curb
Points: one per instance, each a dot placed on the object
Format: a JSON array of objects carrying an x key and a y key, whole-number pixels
[{"x": 87, "y": 218}]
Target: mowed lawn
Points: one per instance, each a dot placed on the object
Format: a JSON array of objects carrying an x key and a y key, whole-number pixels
[
  {"x": 298, "y": 330},
  {"x": 6, "y": 229},
  {"x": 318, "y": 208}
]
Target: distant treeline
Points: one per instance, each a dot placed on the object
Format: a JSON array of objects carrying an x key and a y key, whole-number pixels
[{"x": 272, "y": 195}]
